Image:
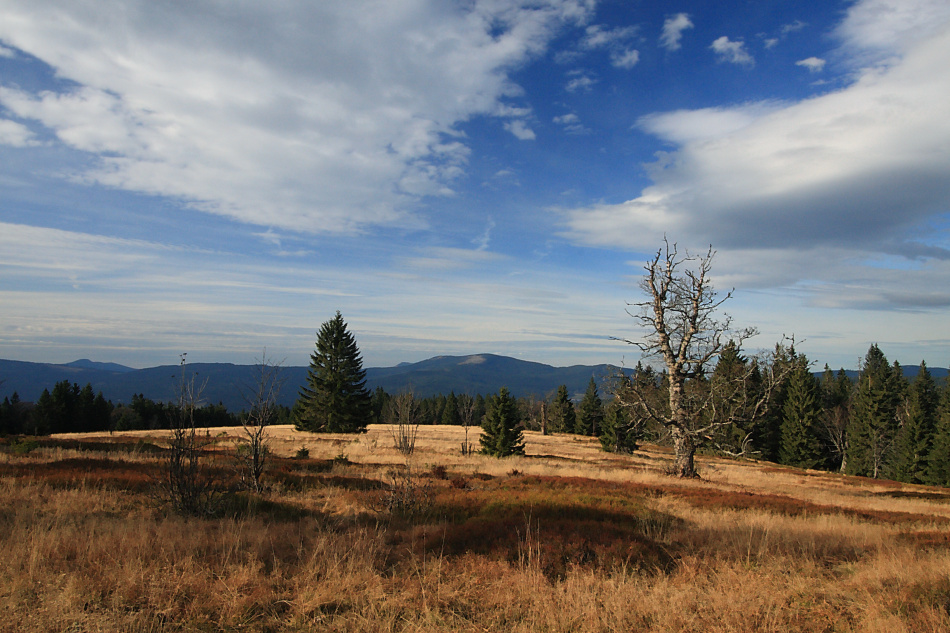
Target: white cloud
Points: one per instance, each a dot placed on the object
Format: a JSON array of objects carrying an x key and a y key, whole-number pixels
[
  {"x": 686, "y": 126},
  {"x": 793, "y": 27},
  {"x": 581, "y": 82},
  {"x": 520, "y": 130},
  {"x": 888, "y": 27},
  {"x": 7, "y": 52},
  {"x": 571, "y": 123},
  {"x": 770, "y": 42},
  {"x": 733, "y": 52},
  {"x": 484, "y": 240},
  {"x": 597, "y": 36},
  {"x": 805, "y": 194},
  {"x": 813, "y": 64},
  {"x": 673, "y": 31},
  {"x": 306, "y": 116},
  {"x": 625, "y": 59},
  {"x": 15, "y": 134}
]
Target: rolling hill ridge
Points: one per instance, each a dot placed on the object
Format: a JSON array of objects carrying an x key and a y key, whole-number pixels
[{"x": 226, "y": 382}]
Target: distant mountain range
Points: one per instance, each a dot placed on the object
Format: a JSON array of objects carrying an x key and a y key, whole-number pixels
[{"x": 226, "y": 383}]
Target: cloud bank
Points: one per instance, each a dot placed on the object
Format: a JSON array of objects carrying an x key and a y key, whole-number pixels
[
  {"x": 326, "y": 116},
  {"x": 851, "y": 186}
]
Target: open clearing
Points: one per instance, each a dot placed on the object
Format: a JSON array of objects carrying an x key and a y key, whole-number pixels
[{"x": 567, "y": 538}]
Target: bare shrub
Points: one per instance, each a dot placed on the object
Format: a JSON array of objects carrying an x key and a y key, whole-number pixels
[
  {"x": 261, "y": 399},
  {"x": 187, "y": 484},
  {"x": 404, "y": 422},
  {"x": 404, "y": 496}
]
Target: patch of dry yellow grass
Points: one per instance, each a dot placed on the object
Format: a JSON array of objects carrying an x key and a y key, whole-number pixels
[{"x": 797, "y": 556}]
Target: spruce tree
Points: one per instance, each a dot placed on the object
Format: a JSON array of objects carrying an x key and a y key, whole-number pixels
[
  {"x": 873, "y": 422},
  {"x": 501, "y": 429},
  {"x": 334, "y": 399},
  {"x": 918, "y": 417},
  {"x": 450, "y": 414},
  {"x": 800, "y": 445},
  {"x": 620, "y": 434},
  {"x": 938, "y": 459},
  {"x": 768, "y": 431},
  {"x": 590, "y": 417},
  {"x": 836, "y": 391},
  {"x": 563, "y": 417},
  {"x": 731, "y": 384}
]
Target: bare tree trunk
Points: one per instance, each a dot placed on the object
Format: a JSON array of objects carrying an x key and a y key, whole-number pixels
[{"x": 685, "y": 450}]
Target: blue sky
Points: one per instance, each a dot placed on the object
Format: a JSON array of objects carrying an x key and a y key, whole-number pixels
[{"x": 465, "y": 177}]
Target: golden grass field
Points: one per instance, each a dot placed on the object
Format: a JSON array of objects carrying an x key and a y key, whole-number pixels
[{"x": 567, "y": 538}]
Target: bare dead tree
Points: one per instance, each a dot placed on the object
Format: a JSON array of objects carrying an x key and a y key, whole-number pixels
[
  {"x": 686, "y": 331},
  {"x": 261, "y": 399},
  {"x": 186, "y": 482},
  {"x": 467, "y": 407}
]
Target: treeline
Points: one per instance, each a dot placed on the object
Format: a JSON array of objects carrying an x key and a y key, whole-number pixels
[
  {"x": 71, "y": 409},
  {"x": 879, "y": 425}
]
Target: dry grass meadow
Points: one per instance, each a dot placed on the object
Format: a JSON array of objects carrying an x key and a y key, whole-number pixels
[{"x": 567, "y": 538}]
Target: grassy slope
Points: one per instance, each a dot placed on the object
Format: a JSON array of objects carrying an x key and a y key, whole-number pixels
[{"x": 565, "y": 539}]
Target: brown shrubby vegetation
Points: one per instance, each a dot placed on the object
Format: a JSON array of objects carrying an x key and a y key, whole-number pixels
[{"x": 565, "y": 538}]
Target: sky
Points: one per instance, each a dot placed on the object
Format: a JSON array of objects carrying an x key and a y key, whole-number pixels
[{"x": 470, "y": 176}]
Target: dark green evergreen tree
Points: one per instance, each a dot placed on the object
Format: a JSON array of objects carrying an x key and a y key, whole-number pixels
[
  {"x": 43, "y": 416},
  {"x": 801, "y": 443},
  {"x": 501, "y": 429},
  {"x": 836, "y": 390},
  {"x": 938, "y": 459},
  {"x": 380, "y": 404},
  {"x": 562, "y": 417},
  {"x": 13, "y": 413},
  {"x": 873, "y": 422},
  {"x": 734, "y": 383},
  {"x": 619, "y": 433},
  {"x": 334, "y": 399},
  {"x": 918, "y": 422},
  {"x": 450, "y": 414},
  {"x": 479, "y": 409},
  {"x": 590, "y": 417},
  {"x": 768, "y": 431}
]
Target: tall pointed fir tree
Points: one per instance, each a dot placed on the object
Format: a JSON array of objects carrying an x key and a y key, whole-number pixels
[
  {"x": 450, "y": 414},
  {"x": 801, "y": 419},
  {"x": 621, "y": 432},
  {"x": 501, "y": 429},
  {"x": 732, "y": 382},
  {"x": 590, "y": 417},
  {"x": 918, "y": 421},
  {"x": 873, "y": 422},
  {"x": 938, "y": 459},
  {"x": 334, "y": 399},
  {"x": 562, "y": 417},
  {"x": 836, "y": 391}
]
